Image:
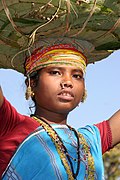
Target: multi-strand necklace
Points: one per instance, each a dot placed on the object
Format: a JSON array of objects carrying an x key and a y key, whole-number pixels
[{"x": 63, "y": 153}]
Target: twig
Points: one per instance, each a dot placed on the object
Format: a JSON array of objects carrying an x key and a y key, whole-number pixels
[
  {"x": 85, "y": 23},
  {"x": 32, "y": 36},
  {"x": 112, "y": 29},
  {"x": 10, "y": 17}
]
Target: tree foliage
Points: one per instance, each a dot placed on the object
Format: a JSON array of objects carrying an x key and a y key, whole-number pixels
[
  {"x": 93, "y": 26},
  {"x": 112, "y": 163}
]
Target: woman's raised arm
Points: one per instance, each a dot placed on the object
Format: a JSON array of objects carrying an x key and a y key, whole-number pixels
[
  {"x": 1, "y": 97},
  {"x": 115, "y": 127}
]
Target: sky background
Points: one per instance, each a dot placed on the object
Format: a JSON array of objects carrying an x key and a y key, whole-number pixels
[{"x": 103, "y": 88}]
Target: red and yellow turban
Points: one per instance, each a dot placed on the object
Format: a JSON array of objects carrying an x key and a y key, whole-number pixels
[{"x": 55, "y": 55}]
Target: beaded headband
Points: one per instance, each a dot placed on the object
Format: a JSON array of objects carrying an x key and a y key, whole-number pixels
[{"x": 55, "y": 55}]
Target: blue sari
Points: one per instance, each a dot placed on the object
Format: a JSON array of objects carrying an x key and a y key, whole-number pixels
[{"x": 37, "y": 157}]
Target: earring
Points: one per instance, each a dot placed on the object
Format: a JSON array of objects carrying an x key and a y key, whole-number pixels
[
  {"x": 66, "y": 84},
  {"x": 84, "y": 96},
  {"x": 29, "y": 93}
]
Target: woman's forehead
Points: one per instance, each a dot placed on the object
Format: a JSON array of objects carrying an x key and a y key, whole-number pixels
[{"x": 63, "y": 68}]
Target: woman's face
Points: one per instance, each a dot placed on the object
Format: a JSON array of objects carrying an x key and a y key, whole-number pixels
[{"x": 59, "y": 89}]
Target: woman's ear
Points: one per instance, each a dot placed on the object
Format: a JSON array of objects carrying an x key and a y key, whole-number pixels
[
  {"x": 84, "y": 96},
  {"x": 31, "y": 83}
]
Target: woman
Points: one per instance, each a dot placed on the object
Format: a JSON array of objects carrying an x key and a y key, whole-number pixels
[{"x": 44, "y": 145}]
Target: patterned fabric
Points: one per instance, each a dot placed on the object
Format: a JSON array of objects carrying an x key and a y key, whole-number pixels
[
  {"x": 37, "y": 157},
  {"x": 53, "y": 55}
]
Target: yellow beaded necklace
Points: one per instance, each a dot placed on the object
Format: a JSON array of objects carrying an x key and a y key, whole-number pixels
[{"x": 61, "y": 149}]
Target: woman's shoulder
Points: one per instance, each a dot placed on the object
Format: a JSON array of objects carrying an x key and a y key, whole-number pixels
[
  {"x": 89, "y": 129},
  {"x": 91, "y": 134}
]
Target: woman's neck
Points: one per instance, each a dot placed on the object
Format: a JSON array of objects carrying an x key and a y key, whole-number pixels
[{"x": 51, "y": 117}]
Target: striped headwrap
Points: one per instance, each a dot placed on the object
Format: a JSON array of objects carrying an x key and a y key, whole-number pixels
[{"x": 61, "y": 54}]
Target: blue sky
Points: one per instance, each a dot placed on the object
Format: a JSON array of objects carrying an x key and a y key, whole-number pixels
[{"x": 102, "y": 84}]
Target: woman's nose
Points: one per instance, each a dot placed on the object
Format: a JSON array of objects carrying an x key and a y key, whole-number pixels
[{"x": 66, "y": 84}]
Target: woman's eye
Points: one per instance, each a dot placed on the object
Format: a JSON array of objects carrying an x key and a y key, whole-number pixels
[
  {"x": 78, "y": 76},
  {"x": 55, "y": 72}
]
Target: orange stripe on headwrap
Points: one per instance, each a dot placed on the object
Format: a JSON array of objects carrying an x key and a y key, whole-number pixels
[{"x": 57, "y": 54}]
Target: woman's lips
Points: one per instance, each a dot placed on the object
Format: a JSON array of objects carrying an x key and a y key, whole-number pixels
[{"x": 66, "y": 95}]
